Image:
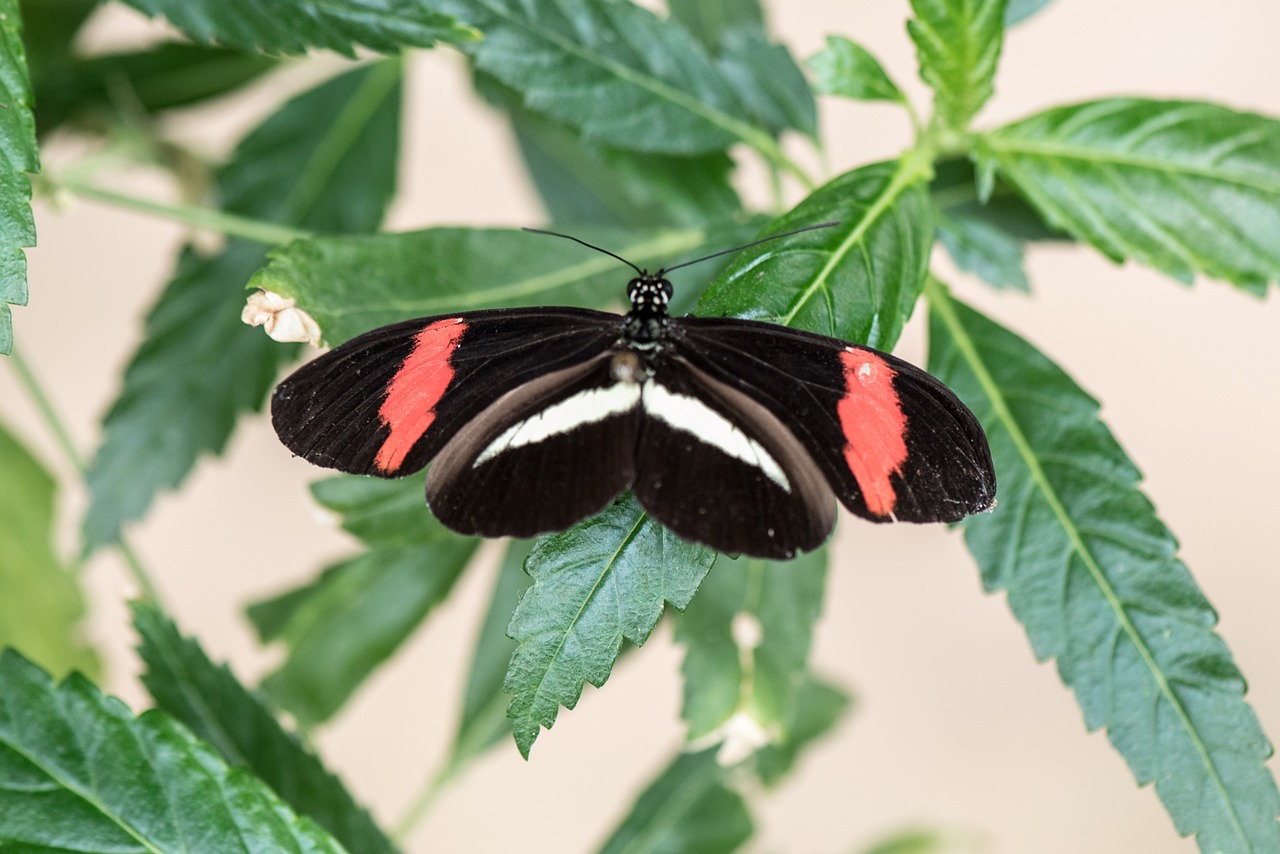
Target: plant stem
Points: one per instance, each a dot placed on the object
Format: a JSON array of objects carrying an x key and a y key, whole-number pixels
[
  {"x": 267, "y": 233},
  {"x": 425, "y": 800},
  {"x": 63, "y": 438}
]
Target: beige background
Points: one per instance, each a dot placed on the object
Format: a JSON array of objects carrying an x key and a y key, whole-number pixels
[{"x": 957, "y": 727}]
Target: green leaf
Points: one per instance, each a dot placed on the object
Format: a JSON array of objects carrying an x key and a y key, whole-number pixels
[
  {"x": 747, "y": 639},
  {"x": 42, "y": 606},
  {"x": 710, "y": 20},
  {"x": 958, "y": 43},
  {"x": 352, "y": 284},
  {"x": 484, "y": 721},
  {"x": 1094, "y": 577},
  {"x": 18, "y": 147},
  {"x": 615, "y": 72},
  {"x": 211, "y": 701},
  {"x": 976, "y": 246},
  {"x": 955, "y": 194},
  {"x": 847, "y": 69},
  {"x": 325, "y": 160},
  {"x": 385, "y": 26},
  {"x": 858, "y": 280},
  {"x": 80, "y": 773},
  {"x": 768, "y": 82},
  {"x": 1018, "y": 11},
  {"x": 340, "y": 627},
  {"x": 688, "y": 809},
  {"x": 817, "y": 707},
  {"x": 49, "y": 30},
  {"x": 1181, "y": 186},
  {"x": 160, "y": 78},
  {"x": 593, "y": 586}
]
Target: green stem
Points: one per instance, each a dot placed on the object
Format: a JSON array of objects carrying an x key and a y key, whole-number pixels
[
  {"x": 425, "y": 800},
  {"x": 231, "y": 225},
  {"x": 63, "y": 438}
]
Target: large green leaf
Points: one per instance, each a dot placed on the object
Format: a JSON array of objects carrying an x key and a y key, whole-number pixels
[
  {"x": 385, "y": 26},
  {"x": 1094, "y": 577},
  {"x": 614, "y": 71},
  {"x": 211, "y": 701},
  {"x": 325, "y": 160},
  {"x": 41, "y": 607},
  {"x": 340, "y": 627},
  {"x": 767, "y": 81},
  {"x": 352, "y": 284},
  {"x": 858, "y": 280},
  {"x": 159, "y": 78},
  {"x": 1182, "y": 186},
  {"x": 848, "y": 69},
  {"x": 79, "y": 773},
  {"x": 49, "y": 30},
  {"x": 710, "y": 20},
  {"x": 958, "y": 43},
  {"x": 18, "y": 156},
  {"x": 688, "y": 809},
  {"x": 594, "y": 586},
  {"x": 746, "y": 639}
]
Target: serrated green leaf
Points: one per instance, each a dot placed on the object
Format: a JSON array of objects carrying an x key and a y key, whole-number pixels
[
  {"x": 79, "y": 773},
  {"x": 755, "y": 675},
  {"x": 958, "y": 44},
  {"x": 159, "y": 78},
  {"x": 687, "y": 809},
  {"x": 847, "y": 69},
  {"x": 18, "y": 147},
  {"x": 385, "y": 26},
  {"x": 710, "y": 20},
  {"x": 352, "y": 284},
  {"x": 42, "y": 607},
  {"x": 1182, "y": 186},
  {"x": 342, "y": 626},
  {"x": 1094, "y": 577},
  {"x": 612, "y": 70},
  {"x": 1018, "y": 11},
  {"x": 215, "y": 705},
  {"x": 818, "y": 706},
  {"x": 325, "y": 160},
  {"x": 980, "y": 248},
  {"x": 594, "y": 586},
  {"x": 858, "y": 280}
]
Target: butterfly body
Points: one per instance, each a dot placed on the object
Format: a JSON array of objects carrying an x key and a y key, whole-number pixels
[{"x": 734, "y": 433}]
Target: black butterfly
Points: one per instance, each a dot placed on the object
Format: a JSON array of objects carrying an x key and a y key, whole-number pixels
[{"x": 734, "y": 433}]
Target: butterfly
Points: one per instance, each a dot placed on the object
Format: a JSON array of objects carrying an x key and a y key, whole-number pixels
[{"x": 739, "y": 434}]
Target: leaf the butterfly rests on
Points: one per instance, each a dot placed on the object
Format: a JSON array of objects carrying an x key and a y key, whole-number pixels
[{"x": 736, "y": 434}]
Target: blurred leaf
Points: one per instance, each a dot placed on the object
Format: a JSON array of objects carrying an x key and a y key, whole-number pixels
[
  {"x": 211, "y": 701},
  {"x": 594, "y": 585},
  {"x": 614, "y": 71},
  {"x": 958, "y": 43},
  {"x": 326, "y": 161},
  {"x": 484, "y": 721},
  {"x": 353, "y": 284},
  {"x": 159, "y": 78},
  {"x": 847, "y": 69},
  {"x": 1094, "y": 577},
  {"x": 710, "y": 20},
  {"x": 42, "y": 607},
  {"x": 384, "y": 26},
  {"x": 955, "y": 193},
  {"x": 49, "y": 29},
  {"x": 1018, "y": 11},
  {"x": 980, "y": 248},
  {"x": 686, "y": 810},
  {"x": 18, "y": 147},
  {"x": 858, "y": 280},
  {"x": 815, "y": 710},
  {"x": 1181, "y": 186},
  {"x": 82, "y": 774},
  {"x": 340, "y": 627},
  {"x": 768, "y": 82},
  {"x": 776, "y": 604}
]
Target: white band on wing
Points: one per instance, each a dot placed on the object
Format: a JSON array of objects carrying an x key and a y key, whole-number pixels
[{"x": 586, "y": 407}]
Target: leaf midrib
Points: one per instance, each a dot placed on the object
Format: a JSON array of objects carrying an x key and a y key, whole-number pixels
[{"x": 940, "y": 301}]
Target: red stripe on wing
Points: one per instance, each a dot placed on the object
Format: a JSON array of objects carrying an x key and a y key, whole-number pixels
[
  {"x": 410, "y": 405},
  {"x": 874, "y": 427}
]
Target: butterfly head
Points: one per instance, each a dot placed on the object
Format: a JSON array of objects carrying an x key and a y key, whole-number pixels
[{"x": 650, "y": 291}]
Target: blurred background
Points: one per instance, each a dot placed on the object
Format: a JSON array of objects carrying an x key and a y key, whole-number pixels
[{"x": 955, "y": 726}]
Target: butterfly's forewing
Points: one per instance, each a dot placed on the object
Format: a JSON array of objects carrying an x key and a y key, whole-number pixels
[
  {"x": 893, "y": 442},
  {"x": 717, "y": 467},
  {"x": 386, "y": 402}
]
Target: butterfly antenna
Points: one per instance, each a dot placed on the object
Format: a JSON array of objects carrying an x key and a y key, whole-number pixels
[
  {"x": 586, "y": 244},
  {"x": 665, "y": 270}
]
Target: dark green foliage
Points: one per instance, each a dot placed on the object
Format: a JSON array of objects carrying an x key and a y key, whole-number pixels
[{"x": 18, "y": 147}]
